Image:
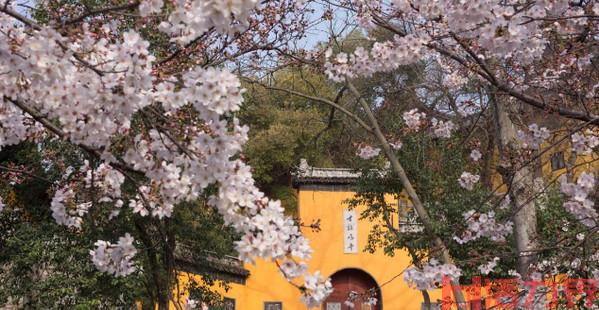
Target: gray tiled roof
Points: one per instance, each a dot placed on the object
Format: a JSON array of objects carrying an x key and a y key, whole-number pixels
[
  {"x": 227, "y": 268},
  {"x": 306, "y": 174}
]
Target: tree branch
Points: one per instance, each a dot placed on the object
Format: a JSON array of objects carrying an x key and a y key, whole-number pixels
[
  {"x": 24, "y": 172},
  {"x": 405, "y": 181},
  {"x": 321, "y": 100},
  {"x": 28, "y": 22},
  {"x": 530, "y": 100},
  {"x": 89, "y": 13},
  {"x": 57, "y": 131}
]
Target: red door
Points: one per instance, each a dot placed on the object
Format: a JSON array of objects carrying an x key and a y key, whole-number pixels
[{"x": 348, "y": 281}]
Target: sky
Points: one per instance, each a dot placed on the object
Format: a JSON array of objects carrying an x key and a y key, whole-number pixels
[{"x": 320, "y": 30}]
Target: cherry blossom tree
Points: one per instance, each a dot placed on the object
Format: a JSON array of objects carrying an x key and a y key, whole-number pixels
[
  {"x": 141, "y": 90},
  {"x": 519, "y": 77}
]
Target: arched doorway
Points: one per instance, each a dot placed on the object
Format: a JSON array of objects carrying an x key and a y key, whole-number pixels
[{"x": 357, "y": 282}]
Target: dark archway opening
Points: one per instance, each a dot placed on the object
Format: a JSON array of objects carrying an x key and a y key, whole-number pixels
[{"x": 353, "y": 282}]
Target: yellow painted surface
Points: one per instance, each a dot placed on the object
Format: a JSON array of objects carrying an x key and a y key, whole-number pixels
[
  {"x": 580, "y": 164},
  {"x": 232, "y": 290},
  {"x": 329, "y": 256},
  {"x": 555, "y": 144},
  {"x": 265, "y": 282}
]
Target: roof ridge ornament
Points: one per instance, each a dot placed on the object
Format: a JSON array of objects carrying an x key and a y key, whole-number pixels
[{"x": 303, "y": 166}]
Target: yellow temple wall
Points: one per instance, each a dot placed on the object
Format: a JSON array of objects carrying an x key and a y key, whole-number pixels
[{"x": 266, "y": 283}]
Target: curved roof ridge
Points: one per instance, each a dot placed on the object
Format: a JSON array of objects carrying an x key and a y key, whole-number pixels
[{"x": 306, "y": 174}]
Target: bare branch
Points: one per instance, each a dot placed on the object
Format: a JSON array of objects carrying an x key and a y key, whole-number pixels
[
  {"x": 98, "y": 11},
  {"x": 321, "y": 100},
  {"x": 27, "y": 21},
  {"x": 407, "y": 184}
]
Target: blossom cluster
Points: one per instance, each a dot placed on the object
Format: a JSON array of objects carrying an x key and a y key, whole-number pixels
[
  {"x": 116, "y": 258},
  {"x": 316, "y": 290},
  {"x": 382, "y": 57},
  {"x": 454, "y": 80},
  {"x": 488, "y": 267},
  {"x": 87, "y": 91},
  {"x": 584, "y": 143},
  {"x": 396, "y": 144},
  {"x": 475, "y": 155},
  {"x": 580, "y": 204},
  {"x": 414, "y": 119},
  {"x": 431, "y": 275},
  {"x": 40, "y": 67},
  {"x": 442, "y": 129},
  {"x": 494, "y": 29},
  {"x": 104, "y": 180},
  {"x": 14, "y": 127},
  {"x": 368, "y": 152},
  {"x": 523, "y": 38},
  {"x": 350, "y": 302},
  {"x": 191, "y": 304},
  {"x": 467, "y": 180},
  {"x": 367, "y": 300},
  {"x": 483, "y": 225},
  {"x": 534, "y": 138},
  {"x": 65, "y": 210},
  {"x": 292, "y": 269},
  {"x": 191, "y": 18}
]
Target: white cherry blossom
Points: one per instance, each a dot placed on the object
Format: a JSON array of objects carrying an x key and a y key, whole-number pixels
[
  {"x": 396, "y": 145},
  {"x": 65, "y": 210},
  {"x": 414, "y": 119},
  {"x": 116, "y": 258},
  {"x": 431, "y": 275},
  {"x": 92, "y": 89},
  {"x": 442, "y": 129},
  {"x": 475, "y": 155},
  {"x": 534, "y": 138},
  {"x": 191, "y": 18},
  {"x": 368, "y": 152},
  {"x": 488, "y": 267},
  {"x": 580, "y": 203},
  {"x": 316, "y": 290},
  {"x": 584, "y": 143},
  {"x": 467, "y": 180},
  {"x": 483, "y": 225}
]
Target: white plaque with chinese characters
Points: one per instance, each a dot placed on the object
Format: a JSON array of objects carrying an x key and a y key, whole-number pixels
[{"x": 350, "y": 231}]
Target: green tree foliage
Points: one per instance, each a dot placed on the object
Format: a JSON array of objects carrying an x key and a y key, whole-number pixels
[
  {"x": 45, "y": 266},
  {"x": 48, "y": 266},
  {"x": 287, "y": 128}
]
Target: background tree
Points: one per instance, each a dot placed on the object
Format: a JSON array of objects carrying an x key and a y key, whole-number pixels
[{"x": 286, "y": 128}]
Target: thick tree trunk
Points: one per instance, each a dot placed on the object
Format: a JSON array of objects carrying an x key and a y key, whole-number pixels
[
  {"x": 520, "y": 182},
  {"x": 158, "y": 284},
  {"x": 525, "y": 218},
  {"x": 489, "y": 152},
  {"x": 521, "y": 193}
]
